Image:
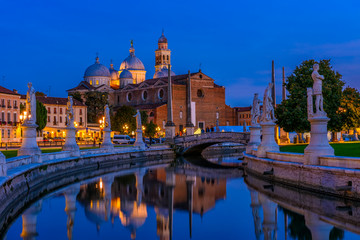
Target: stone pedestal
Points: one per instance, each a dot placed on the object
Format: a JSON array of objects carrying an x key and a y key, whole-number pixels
[
  {"x": 268, "y": 139},
  {"x": 139, "y": 142},
  {"x": 254, "y": 139},
  {"x": 169, "y": 134},
  {"x": 3, "y": 167},
  {"x": 70, "y": 142},
  {"x": 190, "y": 131},
  {"x": 29, "y": 145},
  {"x": 107, "y": 144},
  {"x": 319, "y": 144}
]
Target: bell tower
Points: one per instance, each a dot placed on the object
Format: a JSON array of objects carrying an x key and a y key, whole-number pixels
[{"x": 162, "y": 54}]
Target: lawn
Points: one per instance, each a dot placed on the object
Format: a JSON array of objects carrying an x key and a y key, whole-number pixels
[
  {"x": 348, "y": 149},
  {"x": 13, "y": 153}
]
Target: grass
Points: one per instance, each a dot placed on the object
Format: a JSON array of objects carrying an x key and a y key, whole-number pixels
[
  {"x": 347, "y": 149},
  {"x": 13, "y": 153}
]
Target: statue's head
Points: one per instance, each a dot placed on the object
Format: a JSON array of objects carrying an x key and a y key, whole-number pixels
[
  {"x": 270, "y": 85},
  {"x": 316, "y": 67},
  {"x": 256, "y": 95},
  {"x": 29, "y": 85}
]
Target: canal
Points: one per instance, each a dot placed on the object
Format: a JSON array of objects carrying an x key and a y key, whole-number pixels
[{"x": 184, "y": 201}]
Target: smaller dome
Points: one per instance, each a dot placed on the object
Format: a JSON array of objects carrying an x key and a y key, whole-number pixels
[
  {"x": 114, "y": 75},
  {"x": 162, "y": 39},
  {"x": 97, "y": 70},
  {"x": 163, "y": 73},
  {"x": 125, "y": 74}
]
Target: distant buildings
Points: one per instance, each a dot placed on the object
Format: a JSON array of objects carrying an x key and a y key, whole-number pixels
[
  {"x": 129, "y": 87},
  {"x": 10, "y": 115}
]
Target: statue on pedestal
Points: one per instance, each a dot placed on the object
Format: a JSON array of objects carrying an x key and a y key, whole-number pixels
[
  {"x": 268, "y": 108},
  {"x": 317, "y": 88},
  {"x": 69, "y": 112},
  {"x": 138, "y": 120},
  {"x": 31, "y": 104},
  {"x": 107, "y": 117},
  {"x": 255, "y": 110}
]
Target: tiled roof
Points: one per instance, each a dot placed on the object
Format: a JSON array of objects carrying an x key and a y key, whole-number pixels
[
  {"x": 7, "y": 91},
  {"x": 58, "y": 101},
  {"x": 83, "y": 85}
]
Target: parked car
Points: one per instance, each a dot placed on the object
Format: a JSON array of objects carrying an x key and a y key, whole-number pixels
[{"x": 123, "y": 139}]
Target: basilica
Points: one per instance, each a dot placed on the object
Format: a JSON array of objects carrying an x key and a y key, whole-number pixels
[{"x": 129, "y": 86}]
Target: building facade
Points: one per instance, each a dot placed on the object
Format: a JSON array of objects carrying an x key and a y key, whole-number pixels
[
  {"x": 56, "y": 116},
  {"x": 10, "y": 115}
]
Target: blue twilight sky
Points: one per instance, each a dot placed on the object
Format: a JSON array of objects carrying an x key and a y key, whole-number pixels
[{"x": 52, "y": 42}]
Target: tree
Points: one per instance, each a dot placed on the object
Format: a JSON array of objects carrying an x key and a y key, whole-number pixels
[
  {"x": 95, "y": 101},
  {"x": 39, "y": 94},
  {"x": 150, "y": 129},
  {"x": 125, "y": 116},
  {"x": 41, "y": 116},
  {"x": 77, "y": 96},
  {"x": 292, "y": 112},
  {"x": 350, "y": 108}
]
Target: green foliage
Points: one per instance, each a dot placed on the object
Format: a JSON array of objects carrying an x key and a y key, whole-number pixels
[
  {"x": 150, "y": 129},
  {"x": 39, "y": 94},
  {"x": 95, "y": 101},
  {"x": 292, "y": 112},
  {"x": 22, "y": 107},
  {"x": 41, "y": 116},
  {"x": 125, "y": 116},
  {"x": 77, "y": 96},
  {"x": 350, "y": 108}
]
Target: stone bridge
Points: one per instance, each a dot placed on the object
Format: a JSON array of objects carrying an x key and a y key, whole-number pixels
[{"x": 195, "y": 144}]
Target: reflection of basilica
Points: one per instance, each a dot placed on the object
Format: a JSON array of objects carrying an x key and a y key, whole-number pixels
[{"x": 127, "y": 197}]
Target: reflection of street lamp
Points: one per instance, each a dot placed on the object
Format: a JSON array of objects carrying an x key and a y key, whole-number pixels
[{"x": 125, "y": 127}]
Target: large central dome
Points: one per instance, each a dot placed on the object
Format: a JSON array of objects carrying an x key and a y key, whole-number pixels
[
  {"x": 97, "y": 70},
  {"x": 132, "y": 62}
]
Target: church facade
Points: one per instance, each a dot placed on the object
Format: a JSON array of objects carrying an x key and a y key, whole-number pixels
[{"x": 128, "y": 86}]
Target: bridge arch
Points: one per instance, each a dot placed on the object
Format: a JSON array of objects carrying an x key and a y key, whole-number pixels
[{"x": 195, "y": 144}]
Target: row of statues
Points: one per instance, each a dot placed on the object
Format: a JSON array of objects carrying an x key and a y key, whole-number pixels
[{"x": 267, "y": 114}]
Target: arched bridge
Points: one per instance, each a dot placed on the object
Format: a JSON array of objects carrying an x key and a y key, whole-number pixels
[{"x": 195, "y": 144}]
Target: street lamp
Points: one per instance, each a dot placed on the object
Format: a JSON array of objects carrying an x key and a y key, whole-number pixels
[{"x": 126, "y": 127}]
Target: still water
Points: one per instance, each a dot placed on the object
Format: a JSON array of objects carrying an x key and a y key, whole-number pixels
[{"x": 184, "y": 201}]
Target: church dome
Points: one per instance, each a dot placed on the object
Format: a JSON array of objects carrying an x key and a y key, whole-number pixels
[
  {"x": 125, "y": 74},
  {"x": 162, "y": 39},
  {"x": 163, "y": 73},
  {"x": 132, "y": 62},
  {"x": 114, "y": 75},
  {"x": 97, "y": 70}
]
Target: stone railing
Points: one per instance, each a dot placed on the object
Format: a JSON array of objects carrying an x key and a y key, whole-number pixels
[{"x": 286, "y": 156}]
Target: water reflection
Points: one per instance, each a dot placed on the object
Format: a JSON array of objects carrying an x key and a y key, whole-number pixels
[{"x": 163, "y": 195}]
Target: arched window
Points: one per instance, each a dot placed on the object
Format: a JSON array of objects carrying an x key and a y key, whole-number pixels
[
  {"x": 129, "y": 97},
  {"x": 151, "y": 114},
  {"x": 161, "y": 93},
  {"x": 164, "y": 57},
  {"x": 144, "y": 95},
  {"x": 200, "y": 93}
]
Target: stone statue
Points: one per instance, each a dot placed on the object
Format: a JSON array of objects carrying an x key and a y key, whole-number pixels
[
  {"x": 317, "y": 89},
  {"x": 31, "y": 104},
  {"x": 138, "y": 120},
  {"x": 69, "y": 112},
  {"x": 268, "y": 108},
  {"x": 107, "y": 117},
  {"x": 310, "y": 109},
  {"x": 244, "y": 126},
  {"x": 255, "y": 110}
]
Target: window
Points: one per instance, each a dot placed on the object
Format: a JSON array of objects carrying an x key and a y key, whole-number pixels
[
  {"x": 200, "y": 93},
  {"x": 3, "y": 102},
  {"x": 15, "y": 117},
  {"x": 90, "y": 82},
  {"x": 54, "y": 120},
  {"x": 54, "y": 110},
  {"x": 3, "y": 116},
  {"x": 80, "y": 112},
  {"x": 168, "y": 57},
  {"x": 144, "y": 95},
  {"x": 48, "y": 118},
  {"x": 14, "y": 133},
  {"x": 60, "y": 110},
  {"x": 2, "y": 133},
  {"x": 15, "y": 104},
  {"x": 118, "y": 97},
  {"x": 129, "y": 97},
  {"x": 49, "y": 110},
  {"x": 161, "y": 93},
  {"x": 180, "y": 114},
  {"x": 97, "y": 82},
  {"x": 60, "y": 119},
  {"x": 9, "y": 117},
  {"x": 200, "y": 76},
  {"x": 8, "y": 133},
  {"x": 9, "y": 103},
  {"x": 151, "y": 114},
  {"x": 164, "y": 57},
  {"x": 81, "y": 122}
]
